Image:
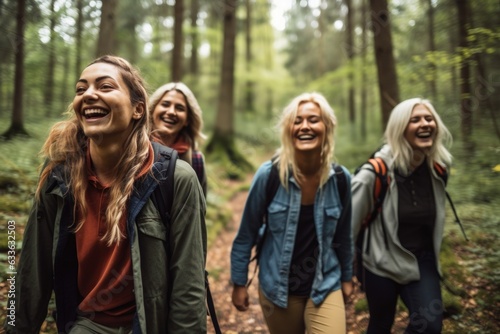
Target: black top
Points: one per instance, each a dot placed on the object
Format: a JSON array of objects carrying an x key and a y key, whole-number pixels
[
  {"x": 417, "y": 210},
  {"x": 305, "y": 253}
]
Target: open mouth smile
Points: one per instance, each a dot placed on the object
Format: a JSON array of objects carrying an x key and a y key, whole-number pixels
[
  {"x": 424, "y": 134},
  {"x": 306, "y": 137},
  {"x": 95, "y": 113}
]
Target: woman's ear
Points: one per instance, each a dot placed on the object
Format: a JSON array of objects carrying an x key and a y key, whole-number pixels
[{"x": 139, "y": 111}]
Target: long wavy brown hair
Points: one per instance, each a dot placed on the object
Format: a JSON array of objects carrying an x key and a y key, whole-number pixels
[{"x": 67, "y": 145}]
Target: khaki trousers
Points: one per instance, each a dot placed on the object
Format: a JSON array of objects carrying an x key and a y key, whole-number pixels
[{"x": 302, "y": 315}]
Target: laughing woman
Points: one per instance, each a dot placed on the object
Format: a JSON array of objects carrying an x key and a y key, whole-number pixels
[
  {"x": 94, "y": 236},
  {"x": 177, "y": 123},
  {"x": 306, "y": 257},
  {"x": 401, "y": 246}
]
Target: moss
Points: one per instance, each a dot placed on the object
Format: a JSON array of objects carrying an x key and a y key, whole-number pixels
[
  {"x": 14, "y": 204},
  {"x": 361, "y": 306}
]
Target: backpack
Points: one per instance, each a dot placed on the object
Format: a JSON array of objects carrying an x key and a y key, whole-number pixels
[
  {"x": 162, "y": 198},
  {"x": 382, "y": 181},
  {"x": 197, "y": 164},
  {"x": 272, "y": 185}
]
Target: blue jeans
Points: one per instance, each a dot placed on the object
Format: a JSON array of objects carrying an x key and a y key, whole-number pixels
[{"x": 422, "y": 298}]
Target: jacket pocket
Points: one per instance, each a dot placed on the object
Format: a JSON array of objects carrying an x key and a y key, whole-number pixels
[
  {"x": 277, "y": 216},
  {"x": 151, "y": 227},
  {"x": 332, "y": 215},
  {"x": 153, "y": 248}
]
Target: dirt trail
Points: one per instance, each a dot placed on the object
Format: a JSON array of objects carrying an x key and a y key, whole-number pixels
[{"x": 218, "y": 265}]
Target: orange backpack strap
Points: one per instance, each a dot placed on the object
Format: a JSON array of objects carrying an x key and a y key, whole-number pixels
[
  {"x": 382, "y": 181},
  {"x": 441, "y": 172}
]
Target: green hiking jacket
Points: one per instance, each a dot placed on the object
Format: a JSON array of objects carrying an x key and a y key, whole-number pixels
[{"x": 169, "y": 291}]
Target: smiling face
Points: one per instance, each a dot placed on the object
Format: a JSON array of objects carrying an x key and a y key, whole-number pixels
[
  {"x": 308, "y": 129},
  {"x": 170, "y": 116},
  {"x": 421, "y": 129},
  {"x": 102, "y": 104}
]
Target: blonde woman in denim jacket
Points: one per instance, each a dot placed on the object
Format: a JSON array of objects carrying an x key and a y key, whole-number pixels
[
  {"x": 306, "y": 259},
  {"x": 401, "y": 251}
]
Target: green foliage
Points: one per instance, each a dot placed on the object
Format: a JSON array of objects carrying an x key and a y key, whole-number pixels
[{"x": 361, "y": 306}]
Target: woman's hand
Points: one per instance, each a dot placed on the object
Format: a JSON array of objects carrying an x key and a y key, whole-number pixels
[
  {"x": 240, "y": 297},
  {"x": 347, "y": 290}
]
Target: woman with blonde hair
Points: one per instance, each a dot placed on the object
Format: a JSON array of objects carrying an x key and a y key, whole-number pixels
[
  {"x": 177, "y": 122},
  {"x": 400, "y": 248},
  {"x": 306, "y": 256},
  {"x": 94, "y": 236}
]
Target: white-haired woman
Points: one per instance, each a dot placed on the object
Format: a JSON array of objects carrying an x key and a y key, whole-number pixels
[
  {"x": 401, "y": 251},
  {"x": 177, "y": 123},
  {"x": 306, "y": 257}
]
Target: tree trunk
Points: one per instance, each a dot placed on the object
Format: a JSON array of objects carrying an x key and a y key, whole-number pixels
[
  {"x": 65, "y": 81},
  {"x": 49, "y": 84},
  {"x": 2, "y": 95},
  {"x": 78, "y": 39},
  {"x": 106, "y": 42},
  {"x": 194, "y": 67},
  {"x": 364, "y": 76},
  {"x": 17, "y": 121},
  {"x": 321, "y": 64},
  {"x": 386, "y": 67},
  {"x": 127, "y": 43},
  {"x": 249, "y": 91},
  {"x": 350, "y": 57},
  {"x": 484, "y": 91},
  {"x": 432, "y": 48},
  {"x": 222, "y": 145},
  {"x": 177, "y": 52},
  {"x": 465, "y": 89}
]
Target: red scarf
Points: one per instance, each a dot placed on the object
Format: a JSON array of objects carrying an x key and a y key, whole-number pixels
[{"x": 180, "y": 145}]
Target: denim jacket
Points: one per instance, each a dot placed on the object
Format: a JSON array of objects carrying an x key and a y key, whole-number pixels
[{"x": 333, "y": 228}]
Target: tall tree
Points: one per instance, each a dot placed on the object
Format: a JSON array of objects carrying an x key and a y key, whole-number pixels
[
  {"x": 193, "y": 62},
  {"x": 78, "y": 38},
  {"x": 350, "y": 57},
  {"x": 51, "y": 54},
  {"x": 131, "y": 14},
  {"x": 106, "y": 43},
  {"x": 364, "y": 76},
  {"x": 432, "y": 48},
  {"x": 465, "y": 88},
  {"x": 177, "y": 52},
  {"x": 17, "y": 121},
  {"x": 222, "y": 141},
  {"x": 386, "y": 66},
  {"x": 249, "y": 94}
]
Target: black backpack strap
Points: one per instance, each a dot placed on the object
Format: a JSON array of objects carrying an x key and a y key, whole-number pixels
[
  {"x": 272, "y": 185},
  {"x": 211, "y": 306},
  {"x": 341, "y": 183},
  {"x": 163, "y": 197},
  {"x": 443, "y": 174}
]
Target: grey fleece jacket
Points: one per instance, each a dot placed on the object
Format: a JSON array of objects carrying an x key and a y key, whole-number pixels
[{"x": 392, "y": 261}]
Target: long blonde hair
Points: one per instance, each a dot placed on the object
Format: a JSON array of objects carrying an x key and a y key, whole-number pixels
[
  {"x": 192, "y": 133},
  {"x": 66, "y": 145},
  {"x": 401, "y": 150},
  {"x": 286, "y": 153}
]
